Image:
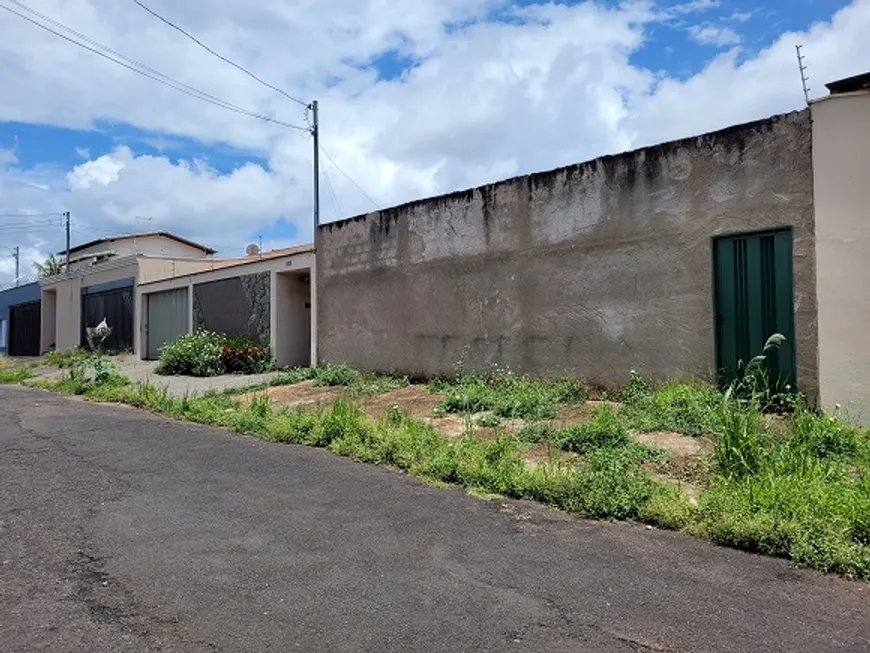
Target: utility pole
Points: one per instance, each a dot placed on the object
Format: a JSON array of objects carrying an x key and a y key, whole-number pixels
[
  {"x": 17, "y": 254},
  {"x": 312, "y": 276},
  {"x": 66, "y": 216},
  {"x": 804, "y": 77},
  {"x": 315, "y": 133}
]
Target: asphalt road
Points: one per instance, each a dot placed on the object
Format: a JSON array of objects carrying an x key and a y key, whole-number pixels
[{"x": 122, "y": 531}]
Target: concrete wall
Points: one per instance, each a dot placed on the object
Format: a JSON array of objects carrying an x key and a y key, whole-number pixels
[
  {"x": 13, "y": 297},
  {"x": 841, "y": 165},
  {"x": 595, "y": 269}
]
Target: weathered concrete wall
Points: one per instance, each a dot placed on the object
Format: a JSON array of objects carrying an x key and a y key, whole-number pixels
[
  {"x": 841, "y": 158},
  {"x": 594, "y": 269}
]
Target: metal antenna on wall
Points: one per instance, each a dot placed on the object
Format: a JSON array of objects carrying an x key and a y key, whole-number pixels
[{"x": 804, "y": 77}]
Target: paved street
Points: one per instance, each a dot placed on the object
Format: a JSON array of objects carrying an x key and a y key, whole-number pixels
[{"x": 123, "y": 531}]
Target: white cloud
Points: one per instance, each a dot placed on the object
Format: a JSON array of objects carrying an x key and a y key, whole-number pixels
[
  {"x": 741, "y": 16},
  {"x": 555, "y": 84},
  {"x": 103, "y": 171},
  {"x": 713, "y": 35},
  {"x": 83, "y": 152}
]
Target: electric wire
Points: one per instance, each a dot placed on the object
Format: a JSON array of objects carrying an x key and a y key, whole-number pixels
[
  {"x": 220, "y": 56},
  {"x": 157, "y": 76},
  {"x": 338, "y": 211},
  {"x": 349, "y": 178}
]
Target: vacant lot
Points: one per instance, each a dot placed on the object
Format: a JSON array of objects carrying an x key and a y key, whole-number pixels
[{"x": 748, "y": 468}]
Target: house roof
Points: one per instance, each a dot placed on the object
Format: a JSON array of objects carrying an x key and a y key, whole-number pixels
[
  {"x": 850, "y": 84},
  {"x": 165, "y": 234}
]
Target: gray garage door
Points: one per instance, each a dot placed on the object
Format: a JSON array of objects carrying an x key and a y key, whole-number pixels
[{"x": 167, "y": 318}]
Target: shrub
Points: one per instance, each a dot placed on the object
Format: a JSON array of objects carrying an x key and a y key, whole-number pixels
[
  {"x": 244, "y": 356},
  {"x": 193, "y": 354}
]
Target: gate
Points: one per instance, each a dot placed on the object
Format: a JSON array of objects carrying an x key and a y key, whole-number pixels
[
  {"x": 25, "y": 326},
  {"x": 753, "y": 299},
  {"x": 168, "y": 318},
  {"x": 116, "y": 307}
]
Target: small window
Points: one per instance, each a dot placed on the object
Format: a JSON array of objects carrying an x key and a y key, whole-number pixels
[{"x": 2, "y": 333}]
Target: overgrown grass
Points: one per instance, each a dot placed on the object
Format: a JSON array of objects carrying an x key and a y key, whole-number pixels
[
  {"x": 11, "y": 373},
  {"x": 606, "y": 429},
  {"x": 509, "y": 395},
  {"x": 65, "y": 358},
  {"x": 682, "y": 407},
  {"x": 797, "y": 488}
]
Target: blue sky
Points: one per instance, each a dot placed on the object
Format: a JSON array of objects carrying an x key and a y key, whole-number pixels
[{"x": 113, "y": 147}]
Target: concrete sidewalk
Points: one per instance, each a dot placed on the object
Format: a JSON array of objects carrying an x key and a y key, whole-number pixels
[{"x": 138, "y": 370}]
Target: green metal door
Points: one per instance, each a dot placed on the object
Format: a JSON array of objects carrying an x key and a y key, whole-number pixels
[
  {"x": 753, "y": 299},
  {"x": 167, "y": 319}
]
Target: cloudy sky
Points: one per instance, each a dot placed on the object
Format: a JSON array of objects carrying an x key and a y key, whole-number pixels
[{"x": 418, "y": 97}]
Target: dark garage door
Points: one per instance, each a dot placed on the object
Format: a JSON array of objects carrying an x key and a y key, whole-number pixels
[
  {"x": 24, "y": 329},
  {"x": 116, "y": 306}
]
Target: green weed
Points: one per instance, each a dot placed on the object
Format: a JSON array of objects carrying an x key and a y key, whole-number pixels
[
  {"x": 509, "y": 395},
  {"x": 689, "y": 408},
  {"x": 335, "y": 375},
  {"x": 65, "y": 357},
  {"x": 11, "y": 375}
]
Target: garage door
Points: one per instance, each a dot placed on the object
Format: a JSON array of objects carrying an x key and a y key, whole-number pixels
[
  {"x": 24, "y": 329},
  {"x": 167, "y": 318},
  {"x": 116, "y": 308}
]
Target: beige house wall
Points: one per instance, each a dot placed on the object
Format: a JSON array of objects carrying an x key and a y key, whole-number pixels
[
  {"x": 841, "y": 170},
  {"x": 290, "y": 339},
  {"x": 68, "y": 300},
  {"x": 153, "y": 245}
]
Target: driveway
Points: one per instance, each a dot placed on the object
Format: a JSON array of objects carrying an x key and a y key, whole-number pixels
[{"x": 123, "y": 531}]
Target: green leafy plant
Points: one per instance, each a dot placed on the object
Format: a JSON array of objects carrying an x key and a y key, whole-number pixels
[
  {"x": 488, "y": 421},
  {"x": 193, "y": 354}
]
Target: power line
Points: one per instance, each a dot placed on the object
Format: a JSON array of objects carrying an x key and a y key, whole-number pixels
[
  {"x": 167, "y": 81},
  {"x": 220, "y": 56},
  {"x": 338, "y": 210},
  {"x": 348, "y": 177},
  {"x": 30, "y": 215}
]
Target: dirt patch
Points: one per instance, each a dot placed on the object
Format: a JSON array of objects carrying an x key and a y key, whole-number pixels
[
  {"x": 576, "y": 413},
  {"x": 688, "y": 462},
  {"x": 676, "y": 444},
  {"x": 415, "y": 400},
  {"x": 300, "y": 395}
]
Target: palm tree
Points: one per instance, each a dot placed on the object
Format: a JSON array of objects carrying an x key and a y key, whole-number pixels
[{"x": 51, "y": 267}]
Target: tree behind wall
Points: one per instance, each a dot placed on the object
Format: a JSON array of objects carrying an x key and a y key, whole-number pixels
[{"x": 50, "y": 267}]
